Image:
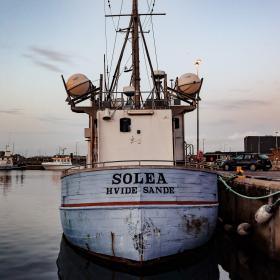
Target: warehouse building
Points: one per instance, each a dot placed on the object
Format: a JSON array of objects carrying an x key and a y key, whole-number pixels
[{"x": 261, "y": 144}]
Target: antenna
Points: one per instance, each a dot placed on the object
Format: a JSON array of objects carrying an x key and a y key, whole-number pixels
[
  {"x": 135, "y": 54},
  {"x": 134, "y": 26}
]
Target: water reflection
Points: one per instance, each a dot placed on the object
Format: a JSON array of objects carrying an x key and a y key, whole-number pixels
[
  {"x": 227, "y": 257},
  {"x": 73, "y": 265},
  {"x": 10, "y": 178},
  {"x": 56, "y": 176},
  {"x": 5, "y": 181},
  {"x": 238, "y": 257},
  {"x": 20, "y": 178}
]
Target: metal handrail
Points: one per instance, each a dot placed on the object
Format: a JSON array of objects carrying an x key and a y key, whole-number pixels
[{"x": 103, "y": 163}]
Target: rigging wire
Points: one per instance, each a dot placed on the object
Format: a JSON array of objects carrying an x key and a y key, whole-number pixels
[
  {"x": 110, "y": 8},
  {"x": 115, "y": 40},
  {"x": 147, "y": 22},
  {"x": 124, "y": 68},
  {"x": 151, "y": 7},
  {"x": 150, "y": 10},
  {"x": 155, "y": 47},
  {"x": 106, "y": 43},
  {"x": 146, "y": 66}
]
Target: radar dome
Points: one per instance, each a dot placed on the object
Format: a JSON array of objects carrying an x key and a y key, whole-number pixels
[
  {"x": 189, "y": 83},
  {"x": 78, "y": 84}
]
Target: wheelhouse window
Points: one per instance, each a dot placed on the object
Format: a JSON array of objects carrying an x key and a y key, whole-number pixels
[
  {"x": 125, "y": 124},
  {"x": 176, "y": 123}
]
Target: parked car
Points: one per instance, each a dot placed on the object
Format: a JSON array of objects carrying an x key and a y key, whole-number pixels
[{"x": 248, "y": 161}]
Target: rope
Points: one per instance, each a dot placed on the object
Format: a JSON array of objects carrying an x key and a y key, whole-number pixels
[{"x": 245, "y": 196}]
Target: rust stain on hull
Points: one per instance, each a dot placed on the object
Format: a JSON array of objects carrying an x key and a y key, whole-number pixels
[
  {"x": 113, "y": 243},
  {"x": 193, "y": 224}
]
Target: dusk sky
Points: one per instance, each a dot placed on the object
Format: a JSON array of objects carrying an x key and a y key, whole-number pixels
[{"x": 238, "y": 42}]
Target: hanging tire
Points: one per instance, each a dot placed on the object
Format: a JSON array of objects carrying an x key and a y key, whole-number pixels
[{"x": 253, "y": 167}]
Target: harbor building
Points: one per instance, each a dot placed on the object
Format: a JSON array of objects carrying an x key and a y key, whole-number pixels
[{"x": 260, "y": 144}]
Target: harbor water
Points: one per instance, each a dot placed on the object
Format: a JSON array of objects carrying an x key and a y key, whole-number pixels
[{"x": 32, "y": 245}]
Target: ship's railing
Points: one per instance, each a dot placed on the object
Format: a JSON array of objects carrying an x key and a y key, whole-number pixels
[
  {"x": 202, "y": 165},
  {"x": 135, "y": 163},
  {"x": 118, "y": 163},
  {"x": 121, "y": 103}
]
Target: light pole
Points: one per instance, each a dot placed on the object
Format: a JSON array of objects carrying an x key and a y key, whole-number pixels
[
  {"x": 197, "y": 64},
  {"x": 276, "y": 142},
  {"x": 203, "y": 142}
]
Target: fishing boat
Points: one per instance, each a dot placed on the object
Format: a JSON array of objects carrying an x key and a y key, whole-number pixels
[
  {"x": 136, "y": 201},
  {"x": 58, "y": 163},
  {"x": 6, "y": 160}
]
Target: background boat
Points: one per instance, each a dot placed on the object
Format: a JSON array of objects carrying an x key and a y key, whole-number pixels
[
  {"x": 6, "y": 160},
  {"x": 58, "y": 163}
]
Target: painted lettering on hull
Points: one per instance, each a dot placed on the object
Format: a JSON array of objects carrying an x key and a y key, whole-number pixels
[
  {"x": 163, "y": 190},
  {"x": 150, "y": 183},
  {"x": 138, "y": 178}
]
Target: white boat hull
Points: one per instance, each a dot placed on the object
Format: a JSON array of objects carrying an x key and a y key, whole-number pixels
[
  {"x": 56, "y": 167},
  {"x": 139, "y": 217}
]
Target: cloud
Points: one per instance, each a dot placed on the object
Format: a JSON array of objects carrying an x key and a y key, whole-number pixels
[
  {"x": 239, "y": 135},
  {"x": 12, "y": 111},
  {"x": 52, "y": 55},
  {"x": 241, "y": 90},
  {"x": 51, "y": 119},
  {"x": 55, "y": 120},
  {"x": 4, "y": 45},
  {"x": 237, "y": 104},
  {"x": 223, "y": 122},
  {"x": 49, "y": 59},
  {"x": 48, "y": 66}
]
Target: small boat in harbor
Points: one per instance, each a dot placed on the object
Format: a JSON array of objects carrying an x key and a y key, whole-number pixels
[
  {"x": 6, "y": 160},
  {"x": 136, "y": 201},
  {"x": 59, "y": 162}
]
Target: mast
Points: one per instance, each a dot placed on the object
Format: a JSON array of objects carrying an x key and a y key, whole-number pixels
[{"x": 135, "y": 53}]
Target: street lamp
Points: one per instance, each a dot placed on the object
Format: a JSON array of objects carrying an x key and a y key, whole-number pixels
[
  {"x": 203, "y": 142},
  {"x": 197, "y": 64}
]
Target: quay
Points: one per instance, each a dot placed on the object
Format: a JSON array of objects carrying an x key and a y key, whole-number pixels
[{"x": 238, "y": 212}]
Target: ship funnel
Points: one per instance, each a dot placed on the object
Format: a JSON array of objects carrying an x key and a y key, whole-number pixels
[
  {"x": 78, "y": 84},
  {"x": 107, "y": 115}
]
